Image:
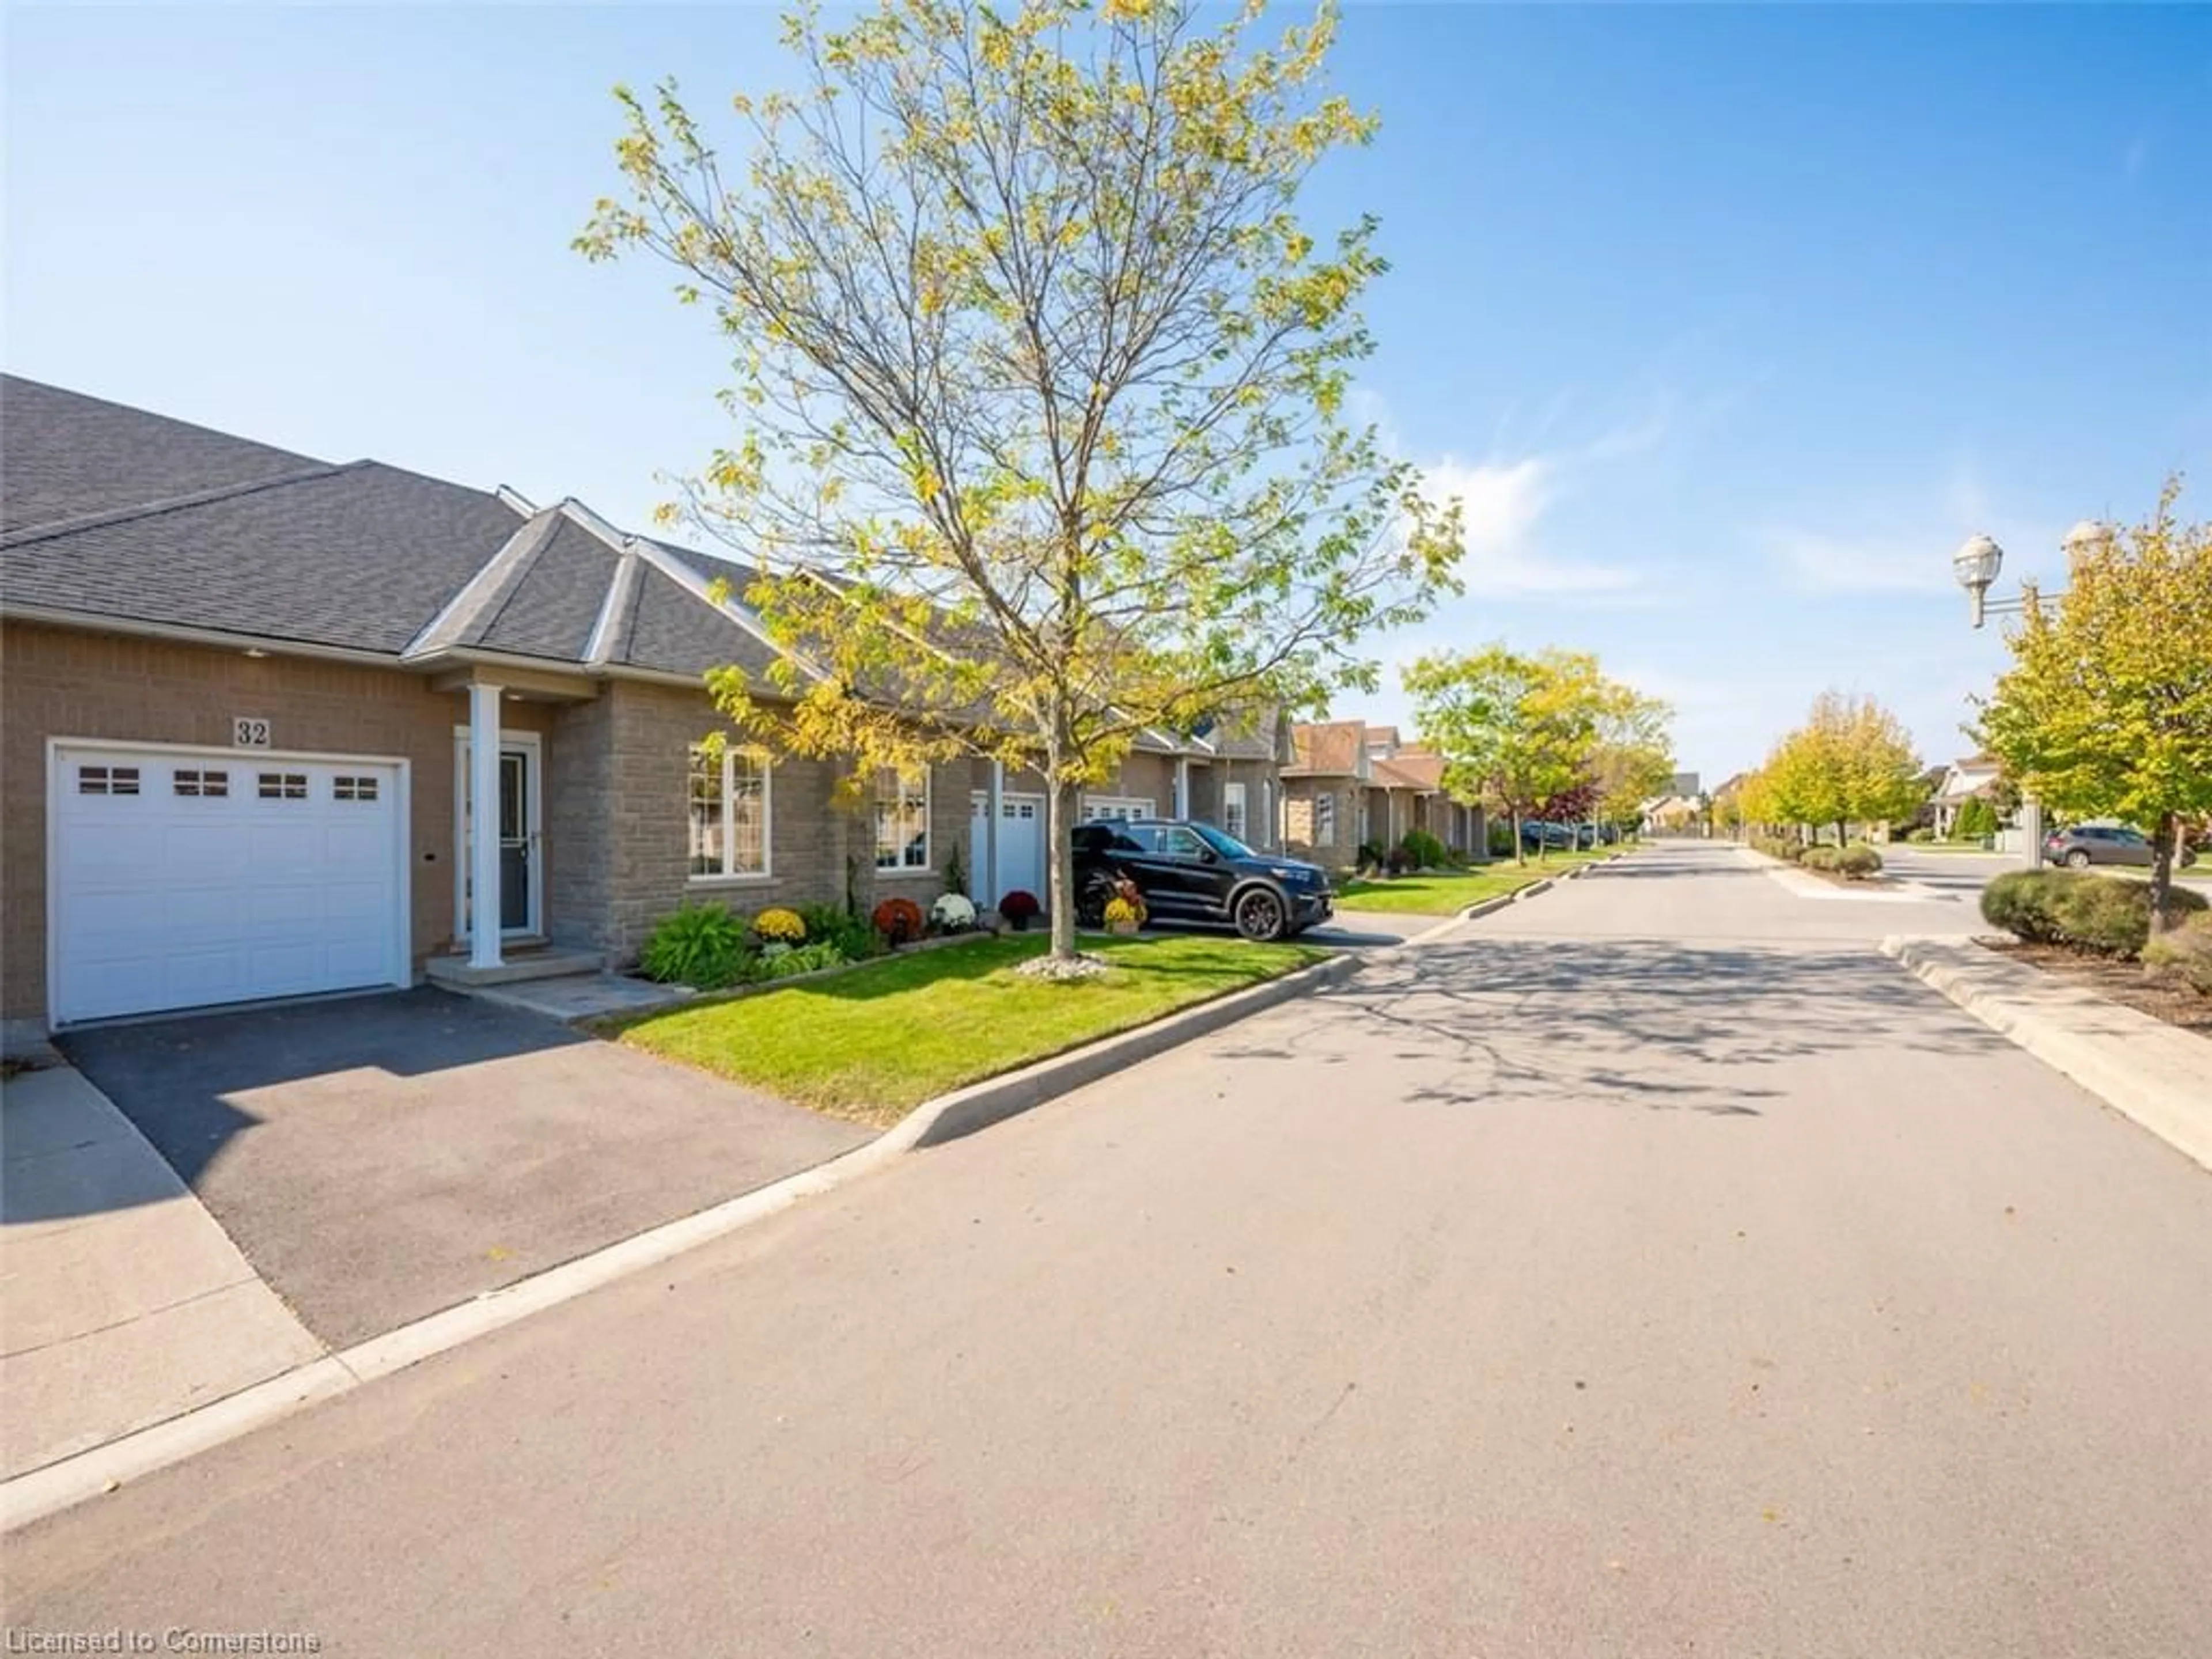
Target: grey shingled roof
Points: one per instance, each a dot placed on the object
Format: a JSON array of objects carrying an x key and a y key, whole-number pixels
[
  {"x": 677, "y": 633},
  {"x": 359, "y": 556},
  {"x": 65, "y": 457},
  {"x": 556, "y": 597},
  {"x": 114, "y": 513}
]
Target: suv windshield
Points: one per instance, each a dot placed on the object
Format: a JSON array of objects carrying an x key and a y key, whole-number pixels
[{"x": 1228, "y": 846}]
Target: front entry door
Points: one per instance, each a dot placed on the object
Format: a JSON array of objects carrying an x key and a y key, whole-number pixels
[
  {"x": 514, "y": 849},
  {"x": 519, "y": 817}
]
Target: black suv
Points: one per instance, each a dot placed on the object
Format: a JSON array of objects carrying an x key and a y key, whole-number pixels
[{"x": 1194, "y": 873}]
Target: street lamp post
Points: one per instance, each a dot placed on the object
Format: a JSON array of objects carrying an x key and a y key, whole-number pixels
[{"x": 1976, "y": 564}]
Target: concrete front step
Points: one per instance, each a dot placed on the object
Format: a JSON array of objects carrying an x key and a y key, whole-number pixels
[{"x": 519, "y": 965}]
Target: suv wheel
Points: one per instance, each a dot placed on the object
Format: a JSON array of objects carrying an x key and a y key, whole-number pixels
[
  {"x": 2078, "y": 859},
  {"x": 1261, "y": 914}
]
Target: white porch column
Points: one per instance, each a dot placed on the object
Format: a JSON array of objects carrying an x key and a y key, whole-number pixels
[
  {"x": 484, "y": 825},
  {"x": 1182, "y": 786},
  {"x": 993, "y": 892}
]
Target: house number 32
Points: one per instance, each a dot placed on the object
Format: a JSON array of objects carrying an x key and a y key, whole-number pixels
[{"x": 248, "y": 733}]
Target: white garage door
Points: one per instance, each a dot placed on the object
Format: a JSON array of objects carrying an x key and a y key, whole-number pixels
[
  {"x": 1021, "y": 845},
  {"x": 182, "y": 878}
]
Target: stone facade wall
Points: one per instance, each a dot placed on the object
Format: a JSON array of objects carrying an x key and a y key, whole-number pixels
[
  {"x": 633, "y": 827},
  {"x": 1263, "y": 798},
  {"x": 1299, "y": 817}
]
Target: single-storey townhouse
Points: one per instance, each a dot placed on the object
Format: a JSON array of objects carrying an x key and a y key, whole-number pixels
[
  {"x": 1974, "y": 778},
  {"x": 272, "y": 724},
  {"x": 1349, "y": 784}
]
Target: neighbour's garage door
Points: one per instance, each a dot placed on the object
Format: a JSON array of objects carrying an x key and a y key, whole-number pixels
[
  {"x": 1021, "y": 846},
  {"x": 181, "y": 877}
]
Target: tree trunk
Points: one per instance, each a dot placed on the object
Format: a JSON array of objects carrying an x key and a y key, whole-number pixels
[
  {"x": 1520, "y": 853},
  {"x": 1059, "y": 879},
  {"x": 1842, "y": 833},
  {"x": 2161, "y": 870}
]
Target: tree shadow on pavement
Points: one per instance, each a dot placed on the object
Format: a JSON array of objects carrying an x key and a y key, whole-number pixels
[{"x": 1655, "y": 1024}]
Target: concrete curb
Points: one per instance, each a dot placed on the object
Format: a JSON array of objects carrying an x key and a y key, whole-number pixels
[
  {"x": 1492, "y": 906},
  {"x": 2142, "y": 1067},
  {"x": 59, "y": 1485},
  {"x": 995, "y": 1099}
]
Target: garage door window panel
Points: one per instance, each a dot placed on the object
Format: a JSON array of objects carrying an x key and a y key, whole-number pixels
[{"x": 108, "y": 780}]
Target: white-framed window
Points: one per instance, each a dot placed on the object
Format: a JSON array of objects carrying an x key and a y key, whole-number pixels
[
  {"x": 1232, "y": 809},
  {"x": 730, "y": 810},
  {"x": 1119, "y": 808},
  {"x": 1324, "y": 820},
  {"x": 353, "y": 788},
  {"x": 901, "y": 822},
  {"x": 282, "y": 786}
]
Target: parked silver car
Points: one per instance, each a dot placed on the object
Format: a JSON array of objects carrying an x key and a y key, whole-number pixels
[{"x": 2097, "y": 843}]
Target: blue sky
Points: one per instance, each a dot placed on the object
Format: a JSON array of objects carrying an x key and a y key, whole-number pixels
[{"x": 1730, "y": 323}]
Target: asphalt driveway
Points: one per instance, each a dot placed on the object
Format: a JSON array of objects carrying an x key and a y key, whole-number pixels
[{"x": 378, "y": 1158}]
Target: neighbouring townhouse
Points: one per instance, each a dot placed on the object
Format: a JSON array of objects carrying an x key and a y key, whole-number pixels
[
  {"x": 273, "y": 724},
  {"x": 1349, "y": 785},
  {"x": 1974, "y": 778}
]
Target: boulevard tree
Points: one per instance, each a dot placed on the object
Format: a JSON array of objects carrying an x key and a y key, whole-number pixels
[
  {"x": 1040, "y": 381},
  {"x": 2107, "y": 710}
]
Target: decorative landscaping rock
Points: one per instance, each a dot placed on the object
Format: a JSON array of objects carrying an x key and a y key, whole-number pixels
[{"x": 1085, "y": 965}]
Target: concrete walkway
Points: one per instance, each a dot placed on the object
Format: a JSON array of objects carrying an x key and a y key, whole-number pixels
[{"x": 125, "y": 1304}]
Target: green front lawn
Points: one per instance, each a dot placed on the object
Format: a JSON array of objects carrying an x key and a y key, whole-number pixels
[
  {"x": 1448, "y": 894},
  {"x": 871, "y": 1044}
]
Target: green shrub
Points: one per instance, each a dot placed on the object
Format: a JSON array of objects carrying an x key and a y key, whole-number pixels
[
  {"x": 1924, "y": 833},
  {"x": 1425, "y": 850},
  {"x": 1858, "y": 862},
  {"x": 1822, "y": 857},
  {"x": 803, "y": 959},
  {"x": 703, "y": 945},
  {"x": 833, "y": 924},
  {"x": 1977, "y": 819},
  {"x": 2095, "y": 912},
  {"x": 2020, "y": 903},
  {"x": 1370, "y": 855},
  {"x": 1498, "y": 838},
  {"x": 2112, "y": 915},
  {"x": 2184, "y": 953}
]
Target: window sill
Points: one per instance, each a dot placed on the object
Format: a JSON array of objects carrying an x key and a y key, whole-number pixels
[
  {"x": 904, "y": 875},
  {"x": 763, "y": 879}
]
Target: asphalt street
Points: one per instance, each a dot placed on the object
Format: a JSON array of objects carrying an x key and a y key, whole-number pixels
[{"x": 1652, "y": 1268}]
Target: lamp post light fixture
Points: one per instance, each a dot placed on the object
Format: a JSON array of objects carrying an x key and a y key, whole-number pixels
[{"x": 1976, "y": 564}]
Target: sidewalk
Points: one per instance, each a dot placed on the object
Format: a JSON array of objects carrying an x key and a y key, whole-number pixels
[
  {"x": 122, "y": 1303},
  {"x": 2143, "y": 1068}
]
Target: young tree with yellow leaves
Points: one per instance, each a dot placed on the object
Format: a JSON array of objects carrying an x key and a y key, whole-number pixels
[
  {"x": 2107, "y": 709},
  {"x": 1516, "y": 729},
  {"x": 1041, "y": 381},
  {"x": 1852, "y": 762}
]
